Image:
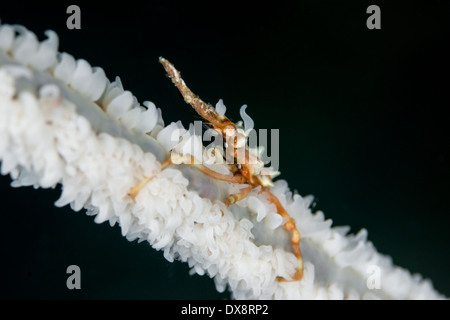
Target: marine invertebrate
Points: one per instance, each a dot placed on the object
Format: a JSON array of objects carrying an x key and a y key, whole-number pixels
[
  {"x": 64, "y": 122},
  {"x": 245, "y": 168}
]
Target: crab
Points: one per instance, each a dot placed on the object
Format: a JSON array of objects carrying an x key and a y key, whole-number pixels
[{"x": 247, "y": 168}]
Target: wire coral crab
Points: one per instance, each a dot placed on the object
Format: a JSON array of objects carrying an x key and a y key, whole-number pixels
[{"x": 247, "y": 168}]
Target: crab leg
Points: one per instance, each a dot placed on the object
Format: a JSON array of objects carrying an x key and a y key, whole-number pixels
[
  {"x": 137, "y": 188},
  {"x": 295, "y": 235}
]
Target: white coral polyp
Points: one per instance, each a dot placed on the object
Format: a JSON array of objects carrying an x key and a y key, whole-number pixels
[{"x": 50, "y": 134}]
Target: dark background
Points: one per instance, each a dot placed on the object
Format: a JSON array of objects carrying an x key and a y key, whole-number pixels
[{"x": 362, "y": 116}]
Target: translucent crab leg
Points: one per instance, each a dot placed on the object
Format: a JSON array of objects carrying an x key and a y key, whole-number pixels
[
  {"x": 237, "y": 178},
  {"x": 135, "y": 190}
]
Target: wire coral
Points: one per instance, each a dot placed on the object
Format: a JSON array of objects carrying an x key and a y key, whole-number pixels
[{"x": 63, "y": 122}]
